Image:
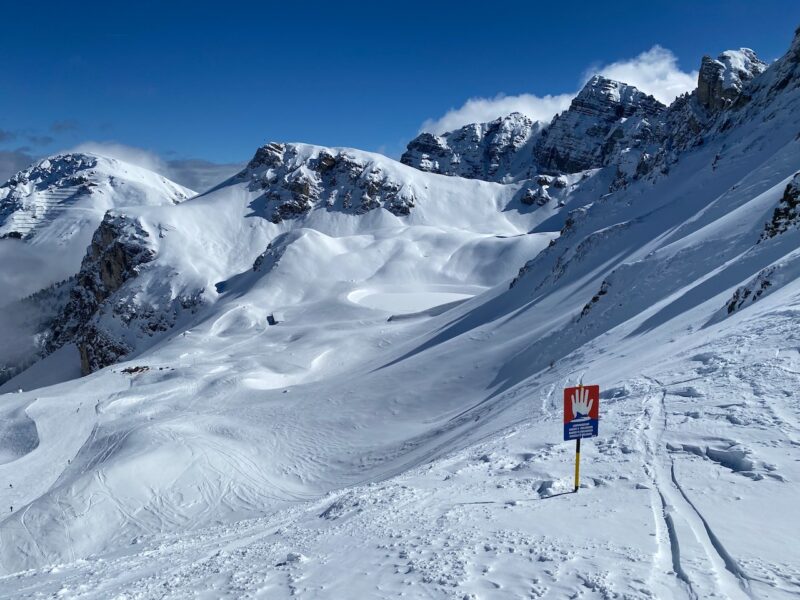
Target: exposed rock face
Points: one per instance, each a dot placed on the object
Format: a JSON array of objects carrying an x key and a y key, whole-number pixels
[
  {"x": 721, "y": 81},
  {"x": 296, "y": 178},
  {"x": 787, "y": 213},
  {"x": 500, "y": 150},
  {"x": 752, "y": 291},
  {"x": 119, "y": 248},
  {"x": 603, "y": 116}
]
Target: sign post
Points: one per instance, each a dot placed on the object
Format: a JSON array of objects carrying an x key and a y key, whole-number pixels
[{"x": 581, "y": 418}]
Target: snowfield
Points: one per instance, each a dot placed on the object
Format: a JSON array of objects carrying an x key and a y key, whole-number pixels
[
  {"x": 338, "y": 376},
  {"x": 672, "y": 503}
]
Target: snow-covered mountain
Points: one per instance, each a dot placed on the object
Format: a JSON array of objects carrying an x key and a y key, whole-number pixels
[
  {"x": 48, "y": 215},
  {"x": 285, "y": 199},
  {"x": 397, "y": 430},
  {"x": 44, "y": 200}
]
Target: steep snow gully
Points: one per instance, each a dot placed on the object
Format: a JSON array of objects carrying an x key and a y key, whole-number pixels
[{"x": 336, "y": 375}]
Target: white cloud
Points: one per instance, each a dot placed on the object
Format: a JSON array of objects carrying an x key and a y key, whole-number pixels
[
  {"x": 194, "y": 173},
  {"x": 131, "y": 154},
  {"x": 480, "y": 110},
  {"x": 655, "y": 72}
]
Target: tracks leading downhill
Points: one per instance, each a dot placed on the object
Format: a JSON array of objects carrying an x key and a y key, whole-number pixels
[{"x": 697, "y": 556}]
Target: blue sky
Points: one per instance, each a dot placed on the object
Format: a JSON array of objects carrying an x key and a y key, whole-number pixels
[{"x": 213, "y": 81}]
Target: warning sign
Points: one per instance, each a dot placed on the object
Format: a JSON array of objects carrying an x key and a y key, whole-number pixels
[{"x": 581, "y": 411}]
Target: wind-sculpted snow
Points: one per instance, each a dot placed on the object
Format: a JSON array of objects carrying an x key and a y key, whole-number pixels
[
  {"x": 359, "y": 404},
  {"x": 148, "y": 271}
]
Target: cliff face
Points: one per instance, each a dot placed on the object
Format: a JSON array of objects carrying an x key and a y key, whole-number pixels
[
  {"x": 787, "y": 213},
  {"x": 118, "y": 250},
  {"x": 601, "y": 119},
  {"x": 496, "y": 151},
  {"x": 720, "y": 82}
]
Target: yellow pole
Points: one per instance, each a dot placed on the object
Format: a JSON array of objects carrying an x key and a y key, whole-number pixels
[{"x": 578, "y": 456}]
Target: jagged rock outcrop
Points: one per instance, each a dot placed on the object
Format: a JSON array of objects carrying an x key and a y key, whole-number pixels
[
  {"x": 604, "y": 117},
  {"x": 500, "y": 150},
  {"x": 119, "y": 248},
  {"x": 751, "y": 291},
  {"x": 720, "y": 82},
  {"x": 296, "y": 178},
  {"x": 786, "y": 214}
]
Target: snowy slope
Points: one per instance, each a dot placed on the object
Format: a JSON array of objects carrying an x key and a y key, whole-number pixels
[{"x": 398, "y": 431}]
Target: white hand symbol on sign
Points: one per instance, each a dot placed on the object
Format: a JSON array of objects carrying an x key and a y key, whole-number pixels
[{"x": 581, "y": 404}]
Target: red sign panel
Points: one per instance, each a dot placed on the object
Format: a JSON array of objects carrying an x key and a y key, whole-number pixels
[{"x": 581, "y": 411}]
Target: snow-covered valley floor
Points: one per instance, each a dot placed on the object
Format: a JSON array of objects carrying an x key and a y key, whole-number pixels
[{"x": 685, "y": 494}]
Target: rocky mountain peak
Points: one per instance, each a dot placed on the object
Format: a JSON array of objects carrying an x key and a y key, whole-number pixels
[
  {"x": 60, "y": 169},
  {"x": 297, "y": 177},
  {"x": 721, "y": 80},
  {"x": 604, "y": 116},
  {"x": 494, "y": 151},
  {"x": 54, "y": 186},
  {"x": 606, "y": 97}
]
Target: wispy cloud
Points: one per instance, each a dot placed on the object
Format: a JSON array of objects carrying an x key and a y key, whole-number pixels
[
  {"x": 480, "y": 110},
  {"x": 131, "y": 154},
  {"x": 195, "y": 173},
  {"x": 40, "y": 140},
  {"x": 655, "y": 72},
  {"x": 63, "y": 126},
  {"x": 13, "y": 161}
]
